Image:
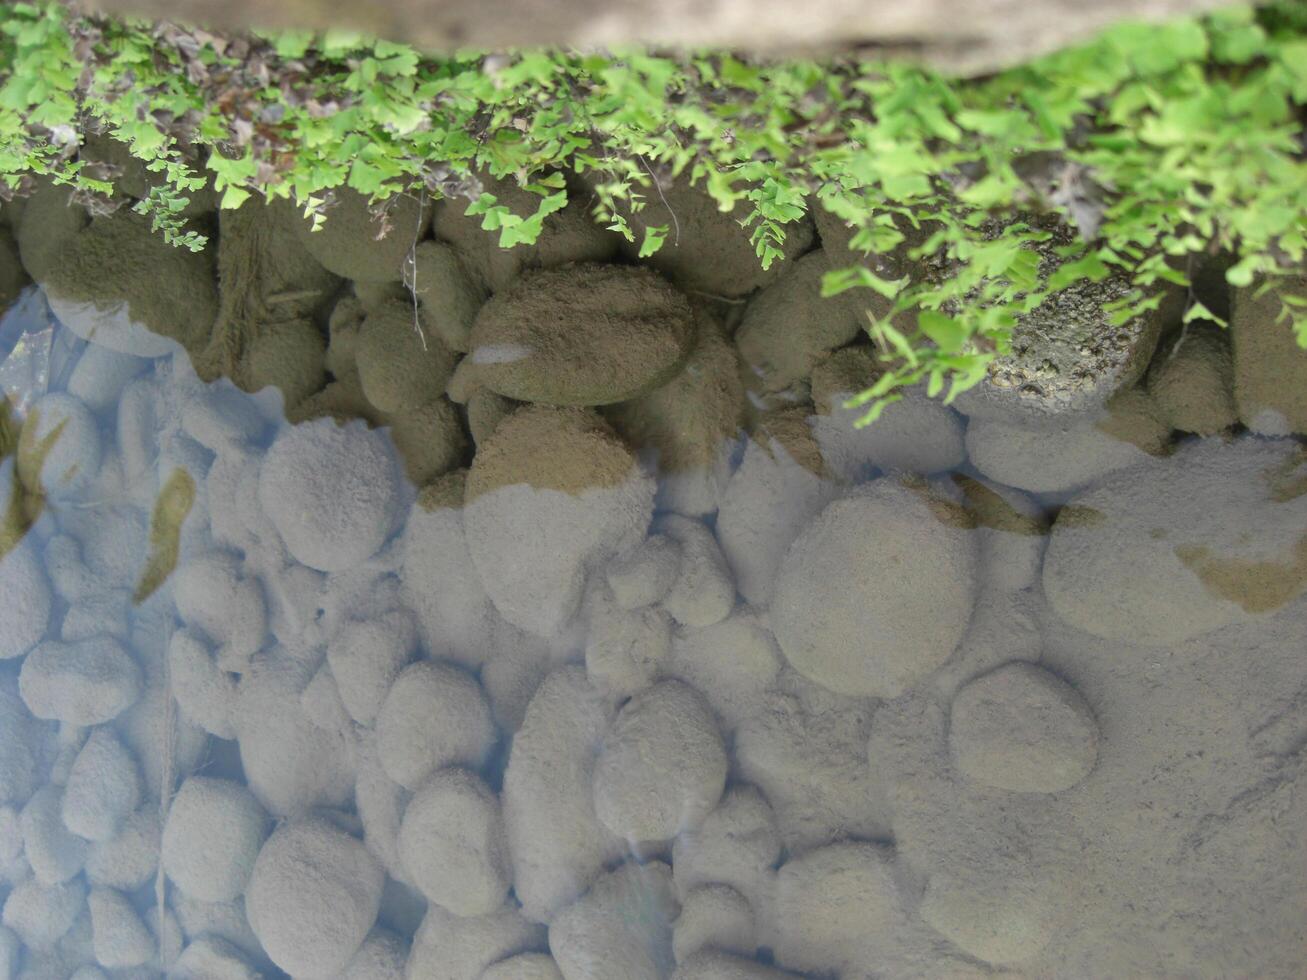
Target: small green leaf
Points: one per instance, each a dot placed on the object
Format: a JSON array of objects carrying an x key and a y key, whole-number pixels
[
  {"x": 1197, "y": 311},
  {"x": 654, "y": 235},
  {"x": 841, "y": 280},
  {"x": 947, "y": 333},
  {"x": 877, "y": 407},
  {"x": 233, "y": 197}
]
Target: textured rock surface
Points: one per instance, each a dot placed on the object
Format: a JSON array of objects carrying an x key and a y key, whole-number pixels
[
  {"x": 434, "y": 715},
  {"x": 1192, "y": 380},
  {"x": 313, "y": 896},
  {"x": 781, "y": 483},
  {"x": 348, "y": 245},
  {"x": 448, "y": 947},
  {"x": 1063, "y": 455},
  {"x": 662, "y": 766},
  {"x": 551, "y": 495},
  {"x": 332, "y": 491},
  {"x": 1024, "y": 729},
  {"x": 453, "y": 846},
  {"x": 98, "y": 291},
  {"x": 788, "y": 327},
  {"x": 915, "y": 435},
  {"x": 621, "y": 928},
  {"x": 833, "y": 900},
  {"x": 569, "y": 235},
  {"x": 1164, "y": 552},
  {"x": 400, "y": 367},
  {"x": 580, "y": 335},
  {"x": 212, "y": 837},
  {"x": 1270, "y": 373},
  {"x": 706, "y": 251},
  {"x": 1066, "y": 358},
  {"x": 688, "y": 428},
  {"x": 557, "y": 842},
  {"x": 877, "y": 590}
]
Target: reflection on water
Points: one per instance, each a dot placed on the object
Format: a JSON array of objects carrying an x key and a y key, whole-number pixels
[{"x": 548, "y": 618}]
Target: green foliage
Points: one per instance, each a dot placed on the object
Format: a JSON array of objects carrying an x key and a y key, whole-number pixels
[{"x": 1157, "y": 142}]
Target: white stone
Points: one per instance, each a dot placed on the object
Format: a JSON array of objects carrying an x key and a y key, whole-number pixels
[
  {"x": 313, "y": 897},
  {"x": 731, "y": 663},
  {"x": 644, "y": 575},
  {"x": 212, "y": 837},
  {"x": 291, "y": 765},
  {"x": 435, "y": 715},
  {"x": 439, "y": 582},
  {"x": 703, "y": 593},
  {"x": 448, "y": 947},
  {"x": 333, "y": 492},
  {"x": 41, "y": 914},
  {"x": 55, "y": 853},
  {"x": 101, "y": 374},
  {"x": 221, "y": 418},
  {"x": 626, "y": 650},
  {"x": 83, "y": 683},
  {"x": 11, "y": 953},
  {"x": 452, "y": 844},
  {"x": 365, "y": 658},
  {"x": 527, "y": 966},
  {"x": 224, "y": 606},
  {"x": 1162, "y": 553},
  {"x": 556, "y": 840},
  {"x": 381, "y": 957},
  {"x": 21, "y": 738},
  {"x": 104, "y": 787},
  {"x": 1000, "y": 921},
  {"x": 380, "y": 802},
  {"x": 552, "y": 496},
  {"x": 714, "y": 917},
  {"x": 877, "y": 590},
  {"x": 211, "y": 958},
  {"x": 805, "y": 748},
  {"x": 93, "y": 615},
  {"x": 833, "y": 904},
  {"x": 780, "y": 485},
  {"x": 662, "y": 766},
  {"x": 27, "y": 594},
  {"x": 622, "y": 927},
  {"x": 714, "y": 965},
  {"x": 205, "y": 693},
  {"x": 737, "y": 845},
  {"x": 128, "y": 860},
  {"x": 111, "y": 327},
  {"x": 121, "y": 938},
  {"x": 1023, "y": 729}
]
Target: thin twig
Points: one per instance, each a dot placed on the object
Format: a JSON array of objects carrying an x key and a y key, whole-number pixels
[
  {"x": 292, "y": 297},
  {"x": 734, "y": 301},
  {"x": 1190, "y": 299},
  {"x": 676, "y": 239},
  {"x": 413, "y": 269}
]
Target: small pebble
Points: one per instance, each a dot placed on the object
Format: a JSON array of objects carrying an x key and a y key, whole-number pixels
[
  {"x": 212, "y": 838},
  {"x": 104, "y": 787},
  {"x": 84, "y": 683}
]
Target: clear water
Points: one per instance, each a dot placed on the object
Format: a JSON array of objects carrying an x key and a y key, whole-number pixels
[{"x": 704, "y": 684}]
